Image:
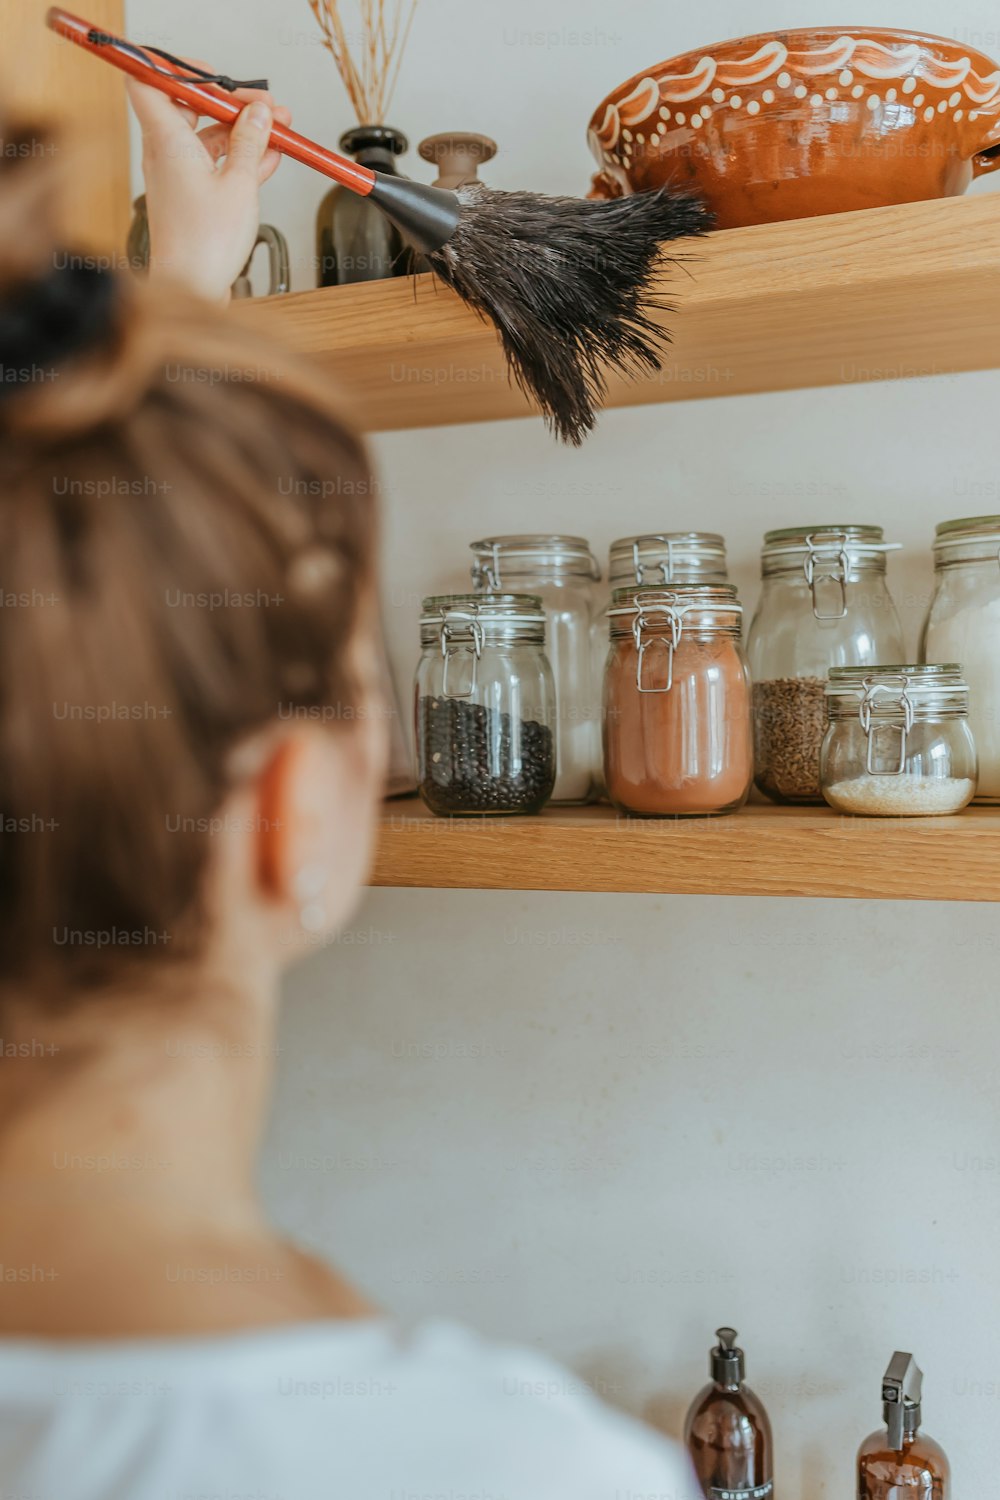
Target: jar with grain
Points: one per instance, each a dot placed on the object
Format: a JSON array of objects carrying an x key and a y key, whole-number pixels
[
  {"x": 677, "y": 731},
  {"x": 824, "y": 603},
  {"x": 653, "y": 560},
  {"x": 485, "y": 706},
  {"x": 963, "y": 624},
  {"x": 898, "y": 743},
  {"x": 563, "y": 572}
]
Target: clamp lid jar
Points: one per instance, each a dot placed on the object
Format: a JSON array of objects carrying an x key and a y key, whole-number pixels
[
  {"x": 563, "y": 572},
  {"x": 677, "y": 734},
  {"x": 654, "y": 560},
  {"x": 825, "y": 603},
  {"x": 963, "y": 624},
  {"x": 898, "y": 742},
  {"x": 485, "y": 705}
]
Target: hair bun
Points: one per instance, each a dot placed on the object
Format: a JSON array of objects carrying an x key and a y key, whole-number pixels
[{"x": 45, "y": 322}]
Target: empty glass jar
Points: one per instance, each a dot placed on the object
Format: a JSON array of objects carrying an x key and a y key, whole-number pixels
[
  {"x": 485, "y": 705},
  {"x": 898, "y": 743},
  {"x": 963, "y": 625},
  {"x": 677, "y": 731},
  {"x": 825, "y": 603},
  {"x": 563, "y": 572}
]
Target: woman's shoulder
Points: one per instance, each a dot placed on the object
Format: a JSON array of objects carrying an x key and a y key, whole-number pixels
[{"x": 361, "y": 1407}]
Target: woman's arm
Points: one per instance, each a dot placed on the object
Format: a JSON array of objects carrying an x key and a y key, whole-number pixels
[{"x": 203, "y": 217}]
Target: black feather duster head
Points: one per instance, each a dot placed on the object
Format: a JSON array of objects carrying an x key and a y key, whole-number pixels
[{"x": 568, "y": 283}]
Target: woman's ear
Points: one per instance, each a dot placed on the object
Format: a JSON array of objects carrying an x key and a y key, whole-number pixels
[{"x": 316, "y": 799}]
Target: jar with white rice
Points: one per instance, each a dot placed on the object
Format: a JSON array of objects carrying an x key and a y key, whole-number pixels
[{"x": 898, "y": 743}]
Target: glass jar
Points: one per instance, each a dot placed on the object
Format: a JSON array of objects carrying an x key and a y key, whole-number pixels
[
  {"x": 677, "y": 727},
  {"x": 963, "y": 625},
  {"x": 898, "y": 743},
  {"x": 649, "y": 561},
  {"x": 485, "y": 706},
  {"x": 563, "y": 572},
  {"x": 825, "y": 603}
]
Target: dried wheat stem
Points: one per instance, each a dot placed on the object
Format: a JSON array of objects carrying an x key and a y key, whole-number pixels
[{"x": 370, "y": 72}]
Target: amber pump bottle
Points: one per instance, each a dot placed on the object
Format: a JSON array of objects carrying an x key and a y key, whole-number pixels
[
  {"x": 727, "y": 1431},
  {"x": 900, "y": 1459}
]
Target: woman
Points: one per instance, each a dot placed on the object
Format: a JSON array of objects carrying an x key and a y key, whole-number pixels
[{"x": 190, "y": 758}]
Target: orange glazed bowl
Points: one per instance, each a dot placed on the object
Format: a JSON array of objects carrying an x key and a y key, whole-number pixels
[{"x": 790, "y": 124}]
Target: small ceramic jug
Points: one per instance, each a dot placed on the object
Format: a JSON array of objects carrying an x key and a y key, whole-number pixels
[{"x": 279, "y": 280}]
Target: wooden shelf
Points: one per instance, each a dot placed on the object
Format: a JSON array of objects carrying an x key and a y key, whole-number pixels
[
  {"x": 762, "y": 851},
  {"x": 888, "y": 293},
  {"x": 44, "y": 77}
]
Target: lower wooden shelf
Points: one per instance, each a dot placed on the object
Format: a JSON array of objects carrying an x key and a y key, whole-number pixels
[{"x": 762, "y": 851}]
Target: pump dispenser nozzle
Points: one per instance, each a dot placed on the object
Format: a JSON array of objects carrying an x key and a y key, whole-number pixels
[
  {"x": 901, "y": 1388},
  {"x": 728, "y": 1364}
]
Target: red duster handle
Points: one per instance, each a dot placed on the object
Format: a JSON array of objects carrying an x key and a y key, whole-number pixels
[{"x": 209, "y": 100}]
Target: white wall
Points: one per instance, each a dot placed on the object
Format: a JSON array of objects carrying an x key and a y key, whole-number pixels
[{"x": 606, "y": 1124}]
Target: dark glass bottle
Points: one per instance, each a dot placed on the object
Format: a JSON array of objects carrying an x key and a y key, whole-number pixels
[
  {"x": 354, "y": 239},
  {"x": 899, "y": 1458},
  {"x": 728, "y": 1433}
]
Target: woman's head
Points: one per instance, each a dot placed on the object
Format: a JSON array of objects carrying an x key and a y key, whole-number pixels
[{"x": 190, "y": 744}]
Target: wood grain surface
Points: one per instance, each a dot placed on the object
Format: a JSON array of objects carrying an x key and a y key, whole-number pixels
[
  {"x": 48, "y": 78},
  {"x": 762, "y": 851}
]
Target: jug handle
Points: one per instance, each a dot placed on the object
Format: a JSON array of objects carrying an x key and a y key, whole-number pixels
[{"x": 279, "y": 278}]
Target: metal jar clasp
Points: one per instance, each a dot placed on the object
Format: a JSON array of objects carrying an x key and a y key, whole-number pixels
[
  {"x": 828, "y": 562},
  {"x": 489, "y": 571},
  {"x": 669, "y": 622},
  {"x": 665, "y": 565},
  {"x": 460, "y": 622},
  {"x": 898, "y": 721}
]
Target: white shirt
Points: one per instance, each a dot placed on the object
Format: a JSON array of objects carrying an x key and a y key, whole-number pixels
[{"x": 323, "y": 1411}]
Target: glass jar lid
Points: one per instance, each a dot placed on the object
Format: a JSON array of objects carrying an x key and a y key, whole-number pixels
[
  {"x": 864, "y": 545},
  {"x": 974, "y": 539},
  {"x": 803, "y": 536},
  {"x": 916, "y": 691},
  {"x": 828, "y": 558},
  {"x": 497, "y": 557},
  {"x": 668, "y": 557},
  {"x": 888, "y": 701},
  {"x": 463, "y": 625},
  {"x": 492, "y": 617},
  {"x": 658, "y": 620},
  {"x": 692, "y": 606}
]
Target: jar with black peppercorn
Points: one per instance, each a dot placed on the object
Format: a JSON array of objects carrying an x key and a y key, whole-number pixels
[
  {"x": 562, "y": 571},
  {"x": 485, "y": 706}
]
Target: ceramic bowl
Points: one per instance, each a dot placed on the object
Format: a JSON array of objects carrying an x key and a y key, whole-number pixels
[{"x": 791, "y": 124}]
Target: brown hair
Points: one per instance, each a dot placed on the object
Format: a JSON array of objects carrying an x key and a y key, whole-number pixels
[{"x": 186, "y": 536}]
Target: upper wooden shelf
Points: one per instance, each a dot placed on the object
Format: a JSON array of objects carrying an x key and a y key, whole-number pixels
[
  {"x": 762, "y": 851},
  {"x": 892, "y": 292}
]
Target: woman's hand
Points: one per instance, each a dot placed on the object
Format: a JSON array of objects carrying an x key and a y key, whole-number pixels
[{"x": 203, "y": 218}]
